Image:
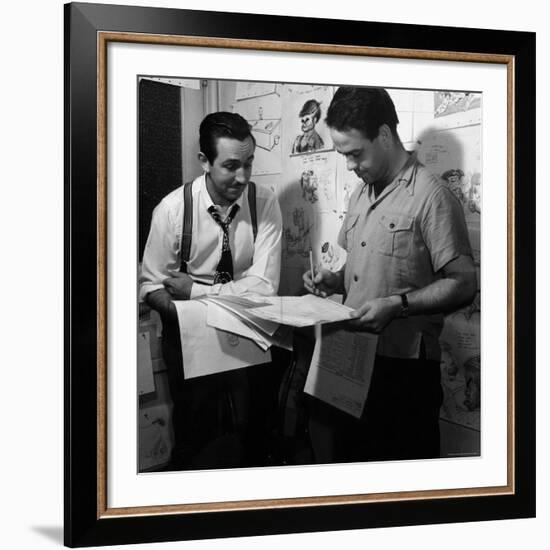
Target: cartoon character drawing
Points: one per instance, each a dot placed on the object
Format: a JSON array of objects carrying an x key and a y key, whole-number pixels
[
  {"x": 453, "y": 179},
  {"x": 309, "y": 140},
  {"x": 308, "y": 183},
  {"x": 329, "y": 256},
  {"x": 295, "y": 240}
]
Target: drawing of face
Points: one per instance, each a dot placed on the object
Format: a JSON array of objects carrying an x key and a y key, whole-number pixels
[
  {"x": 368, "y": 159},
  {"x": 230, "y": 172},
  {"x": 308, "y": 122}
]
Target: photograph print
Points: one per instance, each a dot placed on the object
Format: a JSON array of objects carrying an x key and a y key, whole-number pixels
[{"x": 309, "y": 262}]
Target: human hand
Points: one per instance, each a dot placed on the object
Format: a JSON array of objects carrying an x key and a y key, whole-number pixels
[
  {"x": 375, "y": 315},
  {"x": 178, "y": 286},
  {"x": 324, "y": 283},
  {"x": 161, "y": 301}
]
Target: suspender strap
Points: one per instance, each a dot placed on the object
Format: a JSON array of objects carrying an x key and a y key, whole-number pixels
[
  {"x": 187, "y": 231},
  {"x": 252, "y": 207}
]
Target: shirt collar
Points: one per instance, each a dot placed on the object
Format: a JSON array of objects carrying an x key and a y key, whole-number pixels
[
  {"x": 207, "y": 199},
  {"x": 407, "y": 177}
]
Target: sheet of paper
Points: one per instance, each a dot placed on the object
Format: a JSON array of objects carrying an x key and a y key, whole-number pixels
[
  {"x": 146, "y": 382},
  {"x": 303, "y": 311},
  {"x": 222, "y": 319},
  {"x": 207, "y": 350},
  {"x": 241, "y": 306},
  {"x": 341, "y": 368}
]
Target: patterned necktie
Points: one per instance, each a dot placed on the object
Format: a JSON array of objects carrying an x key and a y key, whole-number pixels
[{"x": 224, "y": 270}]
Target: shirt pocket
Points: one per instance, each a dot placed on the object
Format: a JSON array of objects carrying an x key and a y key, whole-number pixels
[
  {"x": 396, "y": 234},
  {"x": 349, "y": 227}
]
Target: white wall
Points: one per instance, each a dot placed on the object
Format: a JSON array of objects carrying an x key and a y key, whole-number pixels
[{"x": 31, "y": 104}]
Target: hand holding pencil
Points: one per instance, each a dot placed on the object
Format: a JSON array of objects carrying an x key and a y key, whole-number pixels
[{"x": 324, "y": 283}]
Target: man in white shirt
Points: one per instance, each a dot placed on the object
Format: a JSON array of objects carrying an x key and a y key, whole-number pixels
[{"x": 232, "y": 246}]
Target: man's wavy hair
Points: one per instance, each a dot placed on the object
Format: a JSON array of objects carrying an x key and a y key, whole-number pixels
[
  {"x": 221, "y": 124},
  {"x": 363, "y": 109}
]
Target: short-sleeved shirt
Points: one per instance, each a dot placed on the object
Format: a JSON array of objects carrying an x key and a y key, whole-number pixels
[{"x": 398, "y": 242}]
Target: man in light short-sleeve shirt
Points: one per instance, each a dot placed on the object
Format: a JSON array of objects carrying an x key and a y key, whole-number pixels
[{"x": 409, "y": 262}]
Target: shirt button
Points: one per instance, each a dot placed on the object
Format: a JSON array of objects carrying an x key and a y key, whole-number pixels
[
  {"x": 355, "y": 278},
  {"x": 392, "y": 225},
  {"x": 363, "y": 243}
]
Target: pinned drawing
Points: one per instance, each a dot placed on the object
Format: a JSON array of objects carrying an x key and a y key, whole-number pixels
[
  {"x": 309, "y": 140},
  {"x": 447, "y": 103},
  {"x": 264, "y": 117},
  {"x": 316, "y": 178},
  {"x": 308, "y": 184},
  {"x": 454, "y": 180},
  {"x": 155, "y": 437},
  {"x": 304, "y": 108},
  {"x": 330, "y": 259},
  {"x": 296, "y": 238},
  {"x": 327, "y": 254},
  {"x": 460, "y": 367},
  {"x": 461, "y": 385},
  {"x": 247, "y": 90},
  {"x": 266, "y": 133}
]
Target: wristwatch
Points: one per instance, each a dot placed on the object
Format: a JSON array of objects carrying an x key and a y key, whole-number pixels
[{"x": 404, "y": 306}]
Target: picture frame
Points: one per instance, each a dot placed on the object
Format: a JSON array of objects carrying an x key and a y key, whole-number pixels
[{"x": 89, "y": 29}]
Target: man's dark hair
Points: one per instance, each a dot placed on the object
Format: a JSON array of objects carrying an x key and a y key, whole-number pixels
[
  {"x": 363, "y": 109},
  {"x": 218, "y": 125},
  {"x": 311, "y": 106}
]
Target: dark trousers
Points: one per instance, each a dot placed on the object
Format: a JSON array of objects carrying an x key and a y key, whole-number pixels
[
  {"x": 221, "y": 420},
  {"x": 400, "y": 420}
]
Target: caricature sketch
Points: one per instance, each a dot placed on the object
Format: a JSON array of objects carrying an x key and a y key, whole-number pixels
[
  {"x": 295, "y": 239},
  {"x": 330, "y": 258},
  {"x": 308, "y": 183},
  {"x": 309, "y": 140}
]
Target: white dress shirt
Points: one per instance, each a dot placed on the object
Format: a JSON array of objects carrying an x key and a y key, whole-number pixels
[{"x": 256, "y": 265}]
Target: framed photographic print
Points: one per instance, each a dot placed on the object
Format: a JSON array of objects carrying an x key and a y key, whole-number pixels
[{"x": 214, "y": 163}]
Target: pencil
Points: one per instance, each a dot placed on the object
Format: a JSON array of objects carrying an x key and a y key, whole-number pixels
[{"x": 311, "y": 265}]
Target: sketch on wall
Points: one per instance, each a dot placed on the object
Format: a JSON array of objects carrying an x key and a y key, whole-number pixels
[
  {"x": 460, "y": 370},
  {"x": 316, "y": 176},
  {"x": 447, "y": 103},
  {"x": 297, "y": 235},
  {"x": 247, "y": 90},
  {"x": 263, "y": 113},
  {"x": 327, "y": 253},
  {"x": 305, "y": 107}
]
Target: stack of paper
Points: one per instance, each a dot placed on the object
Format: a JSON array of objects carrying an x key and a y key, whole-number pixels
[
  {"x": 266, "y": 319},
  {"x": 301, "y": 311},
  {"x": 221, "y": 333},
  {"x": 232, "y": 314}
]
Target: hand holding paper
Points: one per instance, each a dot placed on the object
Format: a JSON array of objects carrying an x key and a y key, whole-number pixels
[
  {"x": 302, "y": 311},
  {"x": 375, "y": 315}
]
